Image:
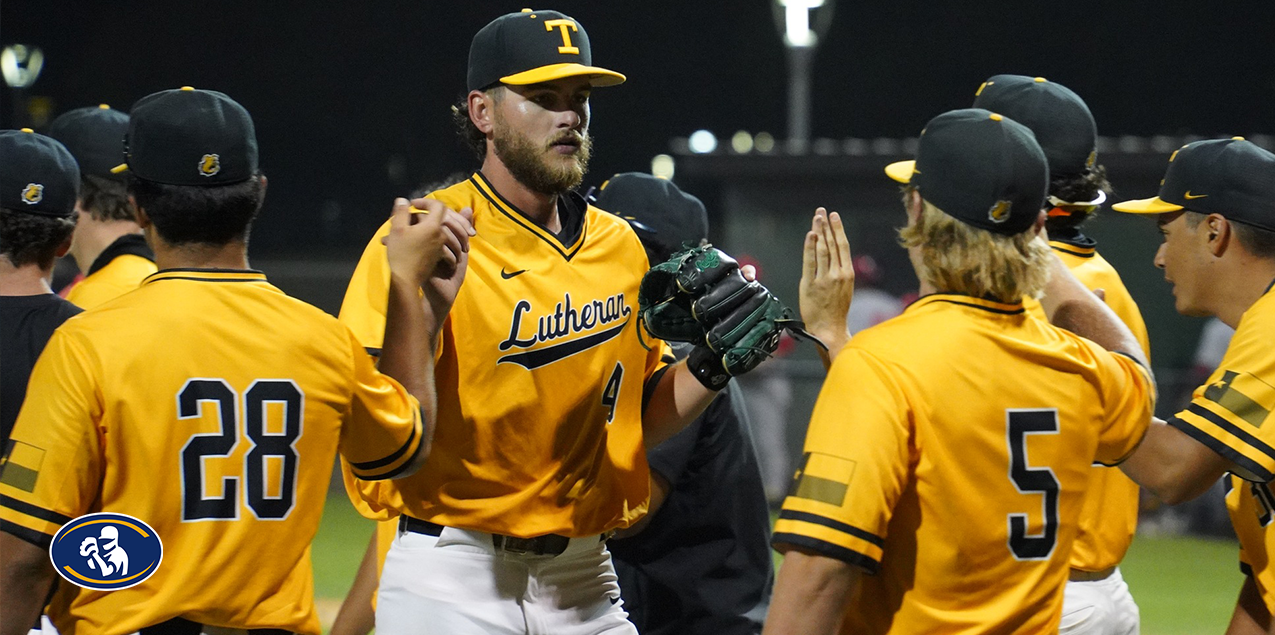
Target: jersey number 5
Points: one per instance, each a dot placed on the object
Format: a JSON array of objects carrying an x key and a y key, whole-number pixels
[
  {"x": 1029, "y": 480},
  {"x": 265, "y": 446}
]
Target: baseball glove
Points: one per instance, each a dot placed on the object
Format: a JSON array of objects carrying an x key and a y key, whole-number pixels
[{"x": 700, "y": 296}]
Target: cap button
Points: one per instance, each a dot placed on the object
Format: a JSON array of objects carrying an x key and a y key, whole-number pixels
[
  {"x": 1237, "y": 138},
  {"x": 525, "y": 10},
  {"x": 28, "y": 131},
  {"x": 1041, "y": 80},
  {"x": 188, "y": 88},
  {"x": 995, "y": 117},
  {"x": 104, "y": 106}
]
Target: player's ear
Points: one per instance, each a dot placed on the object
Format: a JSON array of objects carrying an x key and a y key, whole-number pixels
[
  {"x": 481, "y": 105},
  {"x": 1217, "y": 232},
  {"x": 1040, "y": 223},
  {"x": 139, "y": 215}
]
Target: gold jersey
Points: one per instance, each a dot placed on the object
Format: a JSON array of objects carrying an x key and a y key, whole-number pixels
[
  {"x": 210, "y": 405},
  {"x": 1231, "y": 414},
  {"x": 1110, "y": 513},
  {"x": 948, "y": 455},
  {"x": 123, "y": 274},
  {"x": 540, "y": 375}
]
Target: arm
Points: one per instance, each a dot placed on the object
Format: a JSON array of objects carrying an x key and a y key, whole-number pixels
[
  {"x": 414, "y": 247},
  {"x": 675, "y": 402},
  {"x": 659, "y": 493},
  {"x": 26, "y": 576},
  {"x": 810, "y": 594},
  {"x": 1172, "y": 465},
  {"x": 356, "y": 616},
  {"x": 1251, "y": 616},
  {"x": 827, "y": 283},
  {"x": 1072, "y": 306}
]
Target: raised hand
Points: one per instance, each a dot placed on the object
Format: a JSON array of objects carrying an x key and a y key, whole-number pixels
[{"x": 827, "y": 281}]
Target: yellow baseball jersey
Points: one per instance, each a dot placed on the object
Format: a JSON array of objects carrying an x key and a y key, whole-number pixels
[
  {"x": 948, "y": 455},
  {"x": 119, "y": 269},
  {"x": 1231, "y": 414},
  {"x": 211, "y": 406},
  {"x": 540, "y": 375},
  {"x": 1109, "y": 516}
]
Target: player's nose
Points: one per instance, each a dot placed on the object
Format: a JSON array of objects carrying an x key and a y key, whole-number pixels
[{"x": 1159, "y": 257}]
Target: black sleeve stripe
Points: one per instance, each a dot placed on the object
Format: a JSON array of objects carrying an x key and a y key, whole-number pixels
[
  {"x": 807, "y": 517},
  {"x": 648, "y": 389},
  {"x": 1223, "y": 449},
  {"x": 1235, "y": 430},
  {"x": 41, "y": 540},
  {"x": 36, "y": 512},
  {"x": 374, "y": 352},
  {"x": 396, "y": 455},
  {"x": 1132, "y": 359},
  {"x": 828, "y": 549},
  {"x": 398, "y": 470}
]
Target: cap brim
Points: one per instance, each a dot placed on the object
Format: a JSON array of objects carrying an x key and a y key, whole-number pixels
[
  {"x": 901, "y": 171},
  {"x": 120, "y": 169},
  {"x": 598, "y": 76},
  {"x": 1146, "y": 206}
]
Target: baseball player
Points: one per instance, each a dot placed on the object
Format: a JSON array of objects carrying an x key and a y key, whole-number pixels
[
  {"x": 950, "y": 447},
  {"x": 699, "y": 561},
  {"x": 209, "y": 404},
  {"x": 1216, "y": 211},
  {"x": 548, "y": 394},
  {"x": 38, "y": 185},
  {"x": 1097, "y": 600},
  {"x": 107, "y": 245}
]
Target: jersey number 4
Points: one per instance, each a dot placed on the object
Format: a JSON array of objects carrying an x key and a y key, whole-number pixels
[
  {"x": 1029, "y": 480},
  {"x": 267, "y": 448}
]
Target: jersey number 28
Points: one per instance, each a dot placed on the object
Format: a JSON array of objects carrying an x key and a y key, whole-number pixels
[{"x": 265, "y": 446}]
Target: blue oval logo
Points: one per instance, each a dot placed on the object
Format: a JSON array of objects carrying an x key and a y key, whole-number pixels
[{"x": 106, "y": 551}]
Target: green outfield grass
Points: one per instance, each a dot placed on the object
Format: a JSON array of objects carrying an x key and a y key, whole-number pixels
[{"x": 1184, "y": 586}]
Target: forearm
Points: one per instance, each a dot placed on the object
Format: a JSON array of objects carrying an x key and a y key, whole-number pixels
[
  {"x": 356, "y": 616},
  {"x": 1072, "y": 306},
  {"x": 1172, "y": 465},
  {"x": 835, "y": 341},
  {"x": 26, "y": 575},
  {"x": 407, "y": 354},
  {"x": 1251, "y": 616},
  {"x": 675, "y": 402},
  {"x": 810, "y": 595}
]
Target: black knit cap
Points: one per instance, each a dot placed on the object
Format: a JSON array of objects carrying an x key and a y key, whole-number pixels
[
  {"x": 95, "y": 137},
  {"x": 37, "y": 175},
  {"x": 190, "y": 137},
  {"x": 980, "y": 167},
  {"x": 530, "y": 47}
]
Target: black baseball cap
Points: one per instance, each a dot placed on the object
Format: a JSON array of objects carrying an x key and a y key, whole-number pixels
[
  {"x": 661, "y": 214},
  {"x": 530, "y": 47},
  {"x": 38, "y": 175},
  {"x": 981, "y": 167},
  {"x": 95, "y": 137},
  {"x": 190, "y": 137},
  {"x": 1058, "y": 117},
  {"x": 1231, "y": 177}
]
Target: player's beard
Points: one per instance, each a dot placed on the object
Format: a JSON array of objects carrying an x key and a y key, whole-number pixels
[{"x": 538, "y": 166}]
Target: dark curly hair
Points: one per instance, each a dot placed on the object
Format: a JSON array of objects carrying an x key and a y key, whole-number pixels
[
  {"x": 1077, "y": 187},
  {"x": 198, "y": 214},
  {"x": 470, "y": 136},
  {"x": 105, "y": 199},
  {"x": 28, "y": 238}
]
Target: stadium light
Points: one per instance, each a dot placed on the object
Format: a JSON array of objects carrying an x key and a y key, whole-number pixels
[
  {"x": 802, "y": 23},
  {"x": 663, "y": 166},
  {"x": 21, "y": 65},
  {"x": 702, "y": 142}
]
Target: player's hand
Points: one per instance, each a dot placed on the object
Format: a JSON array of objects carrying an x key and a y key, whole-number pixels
[
  {"x": 418, "y": 242},
  {"x": 827, "y": 279},
  {"x": 88, "y": 546},
  {"x": 441, "y": 288}
]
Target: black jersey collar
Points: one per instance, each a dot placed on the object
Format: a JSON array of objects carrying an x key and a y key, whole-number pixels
[
  {"x": 571, "y": 212},
  {"x": 126, "y": 245},
  {"x": 207, "y": 275}
]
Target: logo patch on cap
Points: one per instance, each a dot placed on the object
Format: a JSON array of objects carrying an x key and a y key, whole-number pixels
[
  {"x": 999, "y": 212},
  {"x": 33, "y": 193},
  {"x": 210, "y": 165},
  {"x": 563, "y": 25}
]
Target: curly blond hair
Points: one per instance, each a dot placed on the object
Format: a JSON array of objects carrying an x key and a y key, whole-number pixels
[{"x": 960, "y": 258}]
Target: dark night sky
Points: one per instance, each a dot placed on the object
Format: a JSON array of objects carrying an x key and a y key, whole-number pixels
[{"x": 341, "y": 91}]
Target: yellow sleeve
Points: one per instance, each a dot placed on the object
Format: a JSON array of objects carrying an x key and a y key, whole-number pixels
[
  {"x": 1128, "y": 401},
  {"x": 52, "y": 468},
  {"x": 363, "y": 308},
  {"x": 1231, "y": 414},
  {"x": 855, "y": 465},
  {"x": 383, "y": 432}
]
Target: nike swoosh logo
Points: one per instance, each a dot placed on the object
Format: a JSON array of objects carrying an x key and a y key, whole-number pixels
[
  {"x": 511, "y": 274},
  {"x": 1191, "y": 197}
]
